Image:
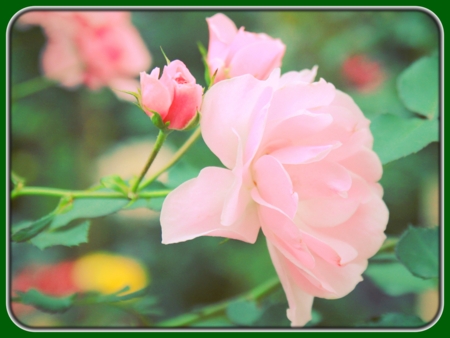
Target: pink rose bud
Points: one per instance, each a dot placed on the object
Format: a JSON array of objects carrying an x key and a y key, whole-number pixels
[
  {"x": 234, "y": 52},
  {"x": 175, "y": 96}
]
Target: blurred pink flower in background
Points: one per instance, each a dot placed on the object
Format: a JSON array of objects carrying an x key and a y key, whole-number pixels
[
  {"x": 363, "y": 73},
  {"x": 300, "y": 166},
  {"x": 175, "y": 96},
  {"x": 92, "y": 48},
  {"x": 234, "y": 52},
  {"x": 55, "y": 280}
]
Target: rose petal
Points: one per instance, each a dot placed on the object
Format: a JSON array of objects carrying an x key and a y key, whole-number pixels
[
  {"x": 135, "y": 56},
  {"x": 229, "y": 105},
  {"x": 258, "y": 59},
  {"x": 299, "y": 97},
  {"x": 333, "y": 210},
  {"x": 257, "y": 126},
  {"x": 332, "y": 250},
  {"x": 305, "y": 76},
  {"x": 176, "y": 72},
  {"x": 186, "y": 102},
  {"x": 194, "y": 208},
  {"x": 300, "y": 302},
  {"x": 274, "y": 185},
  {"x": 327, "y": 280},
  {"x": 285, "y": 132},
  {"x": 155, "y": 96},
  {"x": 60, "y": 61},
  {"x": 368, "y": 222},
  {"x": 303, "y": 154},
  {"x": 320, "y": 179},
  {"x": 283, "y": 233},
  {"x": 364, "y": 163},
  {"x": 221, "y": 33},
  {"x": 238, "y": 197}
]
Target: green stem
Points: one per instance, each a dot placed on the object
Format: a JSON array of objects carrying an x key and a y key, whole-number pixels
[
  {"x": 42, "y": 191},
  {"x": 255, "y": 294},
  {"x": 180, "y": 152},
  {"x": 158, "y": 144},
  {"x": 388, "y": 244},
  {"x": 30, "y": 87}
]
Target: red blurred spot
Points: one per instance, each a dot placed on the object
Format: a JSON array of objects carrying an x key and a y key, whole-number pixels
[
  {"x": 363, "y": 73},
  {"x": 54, "y": 280}
]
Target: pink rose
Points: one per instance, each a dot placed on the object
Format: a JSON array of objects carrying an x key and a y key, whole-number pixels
[
  {"x": 300, "y": 166},
  {"x": 94, "y": 48},
  {"x": 175, "y": 96},
  {"x": 234, "y": 52}
]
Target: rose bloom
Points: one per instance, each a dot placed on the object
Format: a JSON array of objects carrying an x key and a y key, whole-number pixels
[
  {"x": 234, "y": 52},
  {"x": 300, "y": 166},
  {"x": 175, "y": 96},
  {"x": 92, "y": 48}
]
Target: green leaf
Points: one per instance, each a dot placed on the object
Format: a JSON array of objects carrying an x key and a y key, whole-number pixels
[
  {"x": 98, "y": 298},
  {"x": 154, "y": 203},
  {"x": 21, "y": 225},
  {"x": 45, "y": 303},
  {"x": 25, "y": 234},
  {"x": 165, "y": 56},
  {"x": 418, "y": 250},
  {"x": 149, "y": 203},
  {"x": 418, "y": 87},
  {"x": 115, "y": 183},
  {"x": 134, "y": 94},
  {"x": 383, "y": 100},
  {"x": 243, "y": 312},
  {"x": 204, "y": 54},
  {"x": 157, "y": 120},
  {"x": 147, "y": 306},
  {"x": 396, "y": 137},
  {"x": 16, "y": 179},
  {"x": 274, "y": 315},
  {"x": 72, "y": 236},
  {"x": 64, "y": 205},
  {"x": 89, "y": 208},
  {"x": 316, "y": 318},
  {"x": 193, "y": 123},
  {"x": 395, "y": 320},
  {"x": 213, "y": 78},
  {"x": 136, "y": 204},
  {"x": 395, "y": 280}
]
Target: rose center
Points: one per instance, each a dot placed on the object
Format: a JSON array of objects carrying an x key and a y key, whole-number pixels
[{"x": 180, "y": 79}]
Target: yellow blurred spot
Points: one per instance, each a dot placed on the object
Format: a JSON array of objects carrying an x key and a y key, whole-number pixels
[
  {"x": 38, "y": 319},
  {"x": 427, "y": 305},
  {"x": 108, "y": 273}
]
